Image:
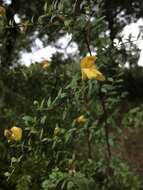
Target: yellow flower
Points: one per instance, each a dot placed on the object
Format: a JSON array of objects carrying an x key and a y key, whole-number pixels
[
  {"x": 56, "y": 131},
  {"x": 45, "y": 64},
  {"x": 81, "y": 119},
  {"x": 15, "y": 133},
  {"x": 89, "y": 70},
  {"x": 87, "y": 61}
]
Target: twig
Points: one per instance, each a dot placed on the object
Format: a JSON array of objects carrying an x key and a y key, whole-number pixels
[
  {"x": 88, "y": 130},
  {"x": 89, "y": 145},
  {"x": 123, "y": 43},
  {"x": 105, "y": 126},
  {"x": 23, "y": 25}
]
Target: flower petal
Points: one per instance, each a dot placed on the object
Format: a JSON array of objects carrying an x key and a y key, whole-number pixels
[
  {"x": 87, "y": 61},
  {"x": 56, "y": 131},
  {"x": 16, "y": 133},
  {"x": 84, "y": 76},
  {"x": 93, "y": 73},
  {"x": 45, "y": 64},
  {"x": 81, "y": 119}
]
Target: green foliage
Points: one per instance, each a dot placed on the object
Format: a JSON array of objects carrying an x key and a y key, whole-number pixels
[
  {"x": 41, "y": 159},
  {"x": 133, "y": 117},
  {"x": 61, "y": 180}
]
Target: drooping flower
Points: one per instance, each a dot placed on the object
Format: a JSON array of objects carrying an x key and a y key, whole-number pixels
[
  {"x": 15, "y": 133},
  {"x": 45, "y": 64},
  {"x": 56, "y": 131},
  {"x": 71, "y": 167},
  {"x": 89, "y": 70},
  {"x": 81, "y": 119}
]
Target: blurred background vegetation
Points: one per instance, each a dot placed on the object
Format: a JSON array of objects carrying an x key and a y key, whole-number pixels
[{"x": 26, "y": 93}]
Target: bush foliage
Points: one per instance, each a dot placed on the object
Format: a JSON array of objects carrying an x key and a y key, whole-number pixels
[{"x": 62, "y": 119}]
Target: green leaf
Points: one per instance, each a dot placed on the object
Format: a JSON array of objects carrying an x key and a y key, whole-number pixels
[
  {"x": 70, "y": 185},
  {"x": 43, "y": 119}
]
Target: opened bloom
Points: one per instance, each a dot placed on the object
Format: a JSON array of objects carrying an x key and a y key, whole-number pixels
[
  {"x": 89, "y": 70},
  {"x": 81, "y": 119},
  {"x": 45, "y": 64},
  {"x": 15, "y": 133}
]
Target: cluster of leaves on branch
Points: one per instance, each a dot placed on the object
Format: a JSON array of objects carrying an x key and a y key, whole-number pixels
[{"x": 64, "y": 143}]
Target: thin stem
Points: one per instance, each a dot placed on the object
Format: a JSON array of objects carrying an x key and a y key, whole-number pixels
[
  {"x": 89, "y": 144},
  {"x": 23, "y": 25},
  {"x": 87, "y": 132},
  {"x": 106, "y": 126},
  {"x": 87, "y": 41}
]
